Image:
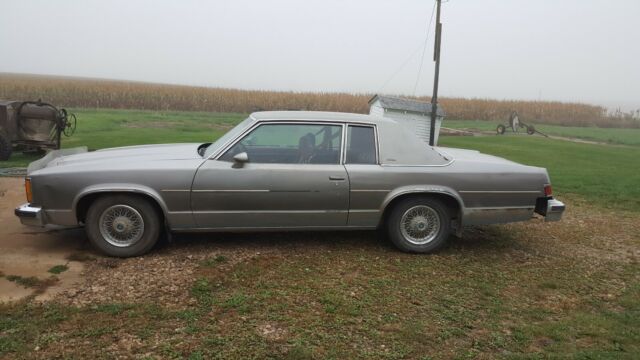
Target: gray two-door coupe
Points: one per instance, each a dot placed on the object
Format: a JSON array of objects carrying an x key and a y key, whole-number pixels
[{"x": 285, "y": 171}]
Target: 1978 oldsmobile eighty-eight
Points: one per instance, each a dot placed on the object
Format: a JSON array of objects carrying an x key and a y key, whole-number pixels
[{"x": 285, "y": 171}]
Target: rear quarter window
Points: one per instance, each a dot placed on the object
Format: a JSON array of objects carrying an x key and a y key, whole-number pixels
[{"x": 361, "y": 145}]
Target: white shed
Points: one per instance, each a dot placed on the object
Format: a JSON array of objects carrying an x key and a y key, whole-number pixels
[{"x": 414, "y": 114}]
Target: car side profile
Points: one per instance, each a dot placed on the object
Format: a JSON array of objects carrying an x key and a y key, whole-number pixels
[{"x": 284, "y": 171}]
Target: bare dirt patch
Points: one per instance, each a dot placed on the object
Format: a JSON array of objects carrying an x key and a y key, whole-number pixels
[{"x": 29, "y": 253}]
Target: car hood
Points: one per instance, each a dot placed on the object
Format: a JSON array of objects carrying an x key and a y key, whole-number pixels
[{"x": 137, "y": 154}]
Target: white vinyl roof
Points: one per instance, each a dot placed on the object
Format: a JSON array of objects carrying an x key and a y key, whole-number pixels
[{"x": 398, "y": 144}]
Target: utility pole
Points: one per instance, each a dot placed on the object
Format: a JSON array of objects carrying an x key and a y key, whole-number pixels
[{"x": 436, "y": 78}]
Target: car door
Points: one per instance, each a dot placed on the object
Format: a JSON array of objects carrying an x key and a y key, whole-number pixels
[
  {"x": 293, "y": 179},
  {"x": 369, "y": 182}
]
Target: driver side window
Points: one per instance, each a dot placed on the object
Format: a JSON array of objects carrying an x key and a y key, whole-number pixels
[{"x": 290, "y": 144}]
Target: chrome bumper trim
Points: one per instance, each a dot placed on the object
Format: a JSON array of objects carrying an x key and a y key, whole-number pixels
[
  {"x": 550, "y": 208},
  {"x": 555, "y": 208},
  {"x": 30, "y": 215}
]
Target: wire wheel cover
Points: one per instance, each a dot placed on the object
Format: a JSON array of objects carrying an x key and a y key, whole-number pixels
[
  {"x": 420, "y": 224},
  {"x": 121, "y": 225}
]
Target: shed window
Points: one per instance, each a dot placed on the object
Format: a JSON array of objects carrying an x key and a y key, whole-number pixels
[{"x": 361, "y": 145}]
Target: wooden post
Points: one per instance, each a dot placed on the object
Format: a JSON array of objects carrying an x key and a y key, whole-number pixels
[{"x": 436, "y": 78}]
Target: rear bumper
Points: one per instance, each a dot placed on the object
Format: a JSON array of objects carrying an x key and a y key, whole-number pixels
[
  {"x": 30, "y": 215},
  {"x": 550, "y": 208}
]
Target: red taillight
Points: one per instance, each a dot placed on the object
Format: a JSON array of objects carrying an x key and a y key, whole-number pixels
[{"x": 547, "y": 190}]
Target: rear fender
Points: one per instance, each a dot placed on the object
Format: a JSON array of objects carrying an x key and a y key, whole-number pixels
[
  {"x": 425, "y": 190},
  {"x": 421, "y": 189}
]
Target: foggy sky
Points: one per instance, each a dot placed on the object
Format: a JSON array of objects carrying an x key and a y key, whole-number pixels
[{"x": 569, "y": 50}]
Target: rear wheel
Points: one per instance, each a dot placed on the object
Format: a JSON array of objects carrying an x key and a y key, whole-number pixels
[
  {"x": 419, "y": 225},
  {"x": 500, "y": 129},
  {"x": 531, "y": 130},
  {"x": 123, "y": 225},
  {"x": 5, "y": 147}
]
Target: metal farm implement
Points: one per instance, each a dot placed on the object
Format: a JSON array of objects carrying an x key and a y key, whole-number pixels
[
  {"x": 515, "y": 125},
  {"x": 32, "y": 126}
]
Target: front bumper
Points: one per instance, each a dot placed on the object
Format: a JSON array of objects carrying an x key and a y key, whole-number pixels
[
  {"x": 550, "y": 208},
  {"x": 30, "y": 215}
]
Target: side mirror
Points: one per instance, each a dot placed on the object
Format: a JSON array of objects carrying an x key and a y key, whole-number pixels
[{"x": 241, "y": 158}]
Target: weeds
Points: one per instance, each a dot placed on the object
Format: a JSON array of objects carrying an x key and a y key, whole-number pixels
[
  {"x": 58, "y": 269},
  {"x": 28, "y": 282},
  {"x": 212, "y": 262}
]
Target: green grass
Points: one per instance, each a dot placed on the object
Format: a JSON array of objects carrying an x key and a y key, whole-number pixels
[
  {"x": 27, "y": 282},
  {"x": 606, "y": 135},
  {"x": 214, "y": 261},
  {"x": 58, "y": 269},
  {"x": 100, "y": 129},
  {"x": 18, "y": 160}
]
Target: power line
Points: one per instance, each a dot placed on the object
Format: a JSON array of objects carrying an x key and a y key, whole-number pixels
[
  {"x": 399, "y": 69},
  {"x": 410, "y": 56}
]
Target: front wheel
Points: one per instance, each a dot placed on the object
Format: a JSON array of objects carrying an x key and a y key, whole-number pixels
[
  {"x": 123, "y": 225},
  {"x": 419, "y": 225}
]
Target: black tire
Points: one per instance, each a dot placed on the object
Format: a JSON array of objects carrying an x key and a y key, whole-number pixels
[
  {"x": 531, "y": 130},
  {"x": 405, "y": 244},
  {"x": 5, "y": 147},
  {"x": 500, "y": 129},
  {"x": 151, "y": 220}
]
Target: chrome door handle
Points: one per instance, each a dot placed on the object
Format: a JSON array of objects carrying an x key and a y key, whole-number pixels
[{"x": 336, "y": 178}]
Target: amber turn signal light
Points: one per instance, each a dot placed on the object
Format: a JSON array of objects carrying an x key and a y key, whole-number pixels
[
  {"x": 547, "y": 190},
  {"x": 27, "y": 189}
]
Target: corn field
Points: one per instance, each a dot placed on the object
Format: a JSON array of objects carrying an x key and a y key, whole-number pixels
[{"x": 92, "y": 93}]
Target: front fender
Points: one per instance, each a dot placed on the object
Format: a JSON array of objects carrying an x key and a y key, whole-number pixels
[{"x": 120, "y": 188}]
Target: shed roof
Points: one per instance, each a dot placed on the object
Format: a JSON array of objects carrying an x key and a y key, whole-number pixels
[{"x": 396, "y": 103}]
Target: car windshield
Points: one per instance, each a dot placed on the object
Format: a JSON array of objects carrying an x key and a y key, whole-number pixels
[{"x": 231, "y": 134}]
